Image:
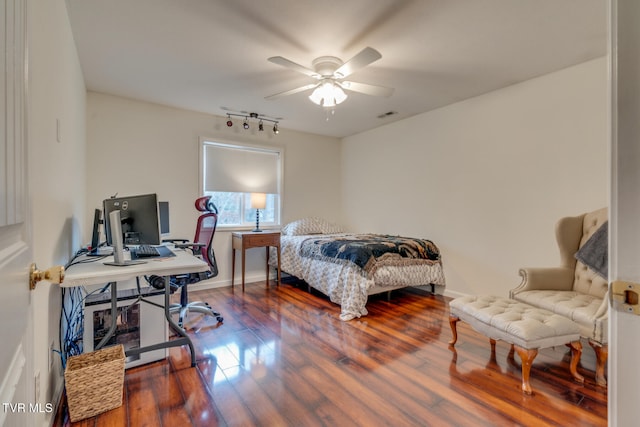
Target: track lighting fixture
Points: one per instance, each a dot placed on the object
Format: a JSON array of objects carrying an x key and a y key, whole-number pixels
[{"x": 247, "y": 119}]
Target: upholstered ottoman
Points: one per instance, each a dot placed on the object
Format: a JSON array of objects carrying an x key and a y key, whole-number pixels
[{"x": 525, "y": 327}]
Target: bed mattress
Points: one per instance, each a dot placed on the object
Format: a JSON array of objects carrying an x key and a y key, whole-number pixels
[{"x": 348, "y": 284}]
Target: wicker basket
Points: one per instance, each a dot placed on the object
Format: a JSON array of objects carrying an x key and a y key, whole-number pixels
[{"x": 94, "y": 382}]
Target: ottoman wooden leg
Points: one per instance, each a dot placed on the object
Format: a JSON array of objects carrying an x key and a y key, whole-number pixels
[
  {"x": 526, "y": 356},
  {"x": 452, "y": 321},
  {"x": 576, "y": 352}
]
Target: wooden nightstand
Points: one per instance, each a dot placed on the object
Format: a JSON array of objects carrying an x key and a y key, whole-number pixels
[{"x": 244, "y": 240}]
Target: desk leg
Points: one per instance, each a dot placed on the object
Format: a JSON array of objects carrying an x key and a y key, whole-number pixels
[
  {"x": 167, "y": 313},
  {"x": 267, "y": 266},
  {"x": 243, "y": 261},
  {"x": 278, "y": 249},
  {"x": 177, "y": 342},
  {"x": 233, "y": 265},
  {"x": 114, "y": 316}
]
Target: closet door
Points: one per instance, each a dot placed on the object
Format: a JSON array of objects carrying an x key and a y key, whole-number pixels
[{"x": 17, "y": 380}]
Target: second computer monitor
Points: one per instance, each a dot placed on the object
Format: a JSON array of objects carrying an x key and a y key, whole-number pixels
[{"x": 139, "y": 218}]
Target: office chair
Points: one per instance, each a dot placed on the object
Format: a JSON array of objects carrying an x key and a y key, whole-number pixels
[{"x": 201, "y": 246}]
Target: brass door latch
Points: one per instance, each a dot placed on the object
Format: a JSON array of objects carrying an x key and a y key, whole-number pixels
[
  {"x": 625, "y": 296},
  {"x": 53, "y": 274}
]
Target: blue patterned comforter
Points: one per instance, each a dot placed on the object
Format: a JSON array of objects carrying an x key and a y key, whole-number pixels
[{"x": 368, "y": 251}]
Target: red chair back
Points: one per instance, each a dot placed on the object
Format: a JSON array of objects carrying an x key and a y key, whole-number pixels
[{"x": 206, "y": 229}]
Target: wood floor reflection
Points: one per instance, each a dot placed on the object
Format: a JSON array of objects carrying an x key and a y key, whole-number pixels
[{"x": 283, "y": 358}]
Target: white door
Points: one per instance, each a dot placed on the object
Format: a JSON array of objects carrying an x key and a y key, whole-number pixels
[
  {"x": 17, "y": 385},
  {"x": 624, "y": 329}
]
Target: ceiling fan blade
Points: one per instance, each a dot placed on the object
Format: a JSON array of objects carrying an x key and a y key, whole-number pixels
[
  {"x": 367, "y": 88},
  {"x": 279, "y": 60},
  {"x": 362, "y": 59},
  {"x": 292, "y": 91}
]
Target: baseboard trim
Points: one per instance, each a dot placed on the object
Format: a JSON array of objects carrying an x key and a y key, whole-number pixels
[
  {"x": 11, "y": 381},
  {"x": 59, "y": 398}
]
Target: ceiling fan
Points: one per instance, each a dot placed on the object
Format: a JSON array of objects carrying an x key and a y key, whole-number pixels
[{"x": 329, "y": 72}]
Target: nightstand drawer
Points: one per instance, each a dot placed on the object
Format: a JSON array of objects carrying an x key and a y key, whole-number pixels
[
  {"x": 248, "y": 240},
  {"x": 271, "y": 239}
]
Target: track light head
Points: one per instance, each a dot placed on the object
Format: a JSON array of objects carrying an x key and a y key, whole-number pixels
[
  {"x": 275, "y": 129},
  {"x": 260, "y": 126},
  {"x": 245, "y": 124}
]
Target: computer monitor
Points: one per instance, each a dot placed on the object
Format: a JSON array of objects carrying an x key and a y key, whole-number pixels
[
  {"x": 95, "y": 234},
  {"x": 139, "y": 218},
  {"x": 163, "y": 211}
]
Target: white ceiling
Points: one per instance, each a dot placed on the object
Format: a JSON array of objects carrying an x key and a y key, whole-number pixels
[{"x": 211, "y": 55}]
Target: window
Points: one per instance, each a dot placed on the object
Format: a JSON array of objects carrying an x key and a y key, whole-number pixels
[{"x": 231, "y": 172}]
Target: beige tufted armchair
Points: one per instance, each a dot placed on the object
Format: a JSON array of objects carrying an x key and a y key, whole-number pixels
[{"x": 573, "y": 290}]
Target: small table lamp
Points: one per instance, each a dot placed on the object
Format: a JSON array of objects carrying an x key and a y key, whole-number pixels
[{"x": 258, "y": 201}]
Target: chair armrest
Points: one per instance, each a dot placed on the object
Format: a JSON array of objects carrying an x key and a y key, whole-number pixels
[
  {"x": 558, "y": 278},
  {"x": 185, "y": 244},
  {"x": 603, "y": 310},
  {"x": 175, "y": 240},
  {"x": 192, "y": 246}
]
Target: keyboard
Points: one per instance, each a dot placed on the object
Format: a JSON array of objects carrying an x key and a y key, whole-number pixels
[{"x": 146, "y": 251}]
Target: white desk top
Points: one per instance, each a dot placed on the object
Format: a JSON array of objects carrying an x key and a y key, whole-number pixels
[{"x": 95, "y": 272}]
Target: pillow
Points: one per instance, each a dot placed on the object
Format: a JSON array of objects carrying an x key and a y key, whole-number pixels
[{"x": 310, "y": 226}]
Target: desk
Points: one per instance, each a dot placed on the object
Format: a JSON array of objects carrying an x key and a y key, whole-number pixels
[
  {"x": 251, "y": 239},
  {"x": 94, "y": 273}
]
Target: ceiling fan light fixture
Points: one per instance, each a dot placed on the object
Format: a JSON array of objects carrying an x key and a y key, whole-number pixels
[
  {"x": 328, "y": 94},
  {"x": 329, "y": 72}
]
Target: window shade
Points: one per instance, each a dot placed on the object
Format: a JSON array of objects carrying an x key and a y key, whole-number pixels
[{"x": 240, "y": 169}]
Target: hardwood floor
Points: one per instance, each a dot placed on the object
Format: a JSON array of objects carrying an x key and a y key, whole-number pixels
[{"x": 283, "y": 358}]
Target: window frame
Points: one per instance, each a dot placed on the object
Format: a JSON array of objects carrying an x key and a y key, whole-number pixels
[{"x": 203, "y": 142}]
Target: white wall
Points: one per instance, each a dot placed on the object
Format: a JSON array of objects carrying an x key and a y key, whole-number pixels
[
  {"x": 56, "y": 172},
  {"x": 129, "y": 141},
  {"x": 487, "y": 178}
]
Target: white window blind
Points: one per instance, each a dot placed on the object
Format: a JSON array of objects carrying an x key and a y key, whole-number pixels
[{"x": 229, "y": 168}]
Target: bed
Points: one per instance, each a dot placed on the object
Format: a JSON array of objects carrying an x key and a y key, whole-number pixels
[{"x": 348, "y": 267}]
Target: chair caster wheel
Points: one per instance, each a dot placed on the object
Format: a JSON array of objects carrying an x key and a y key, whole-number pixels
[{"x": 219, "y": 319}]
